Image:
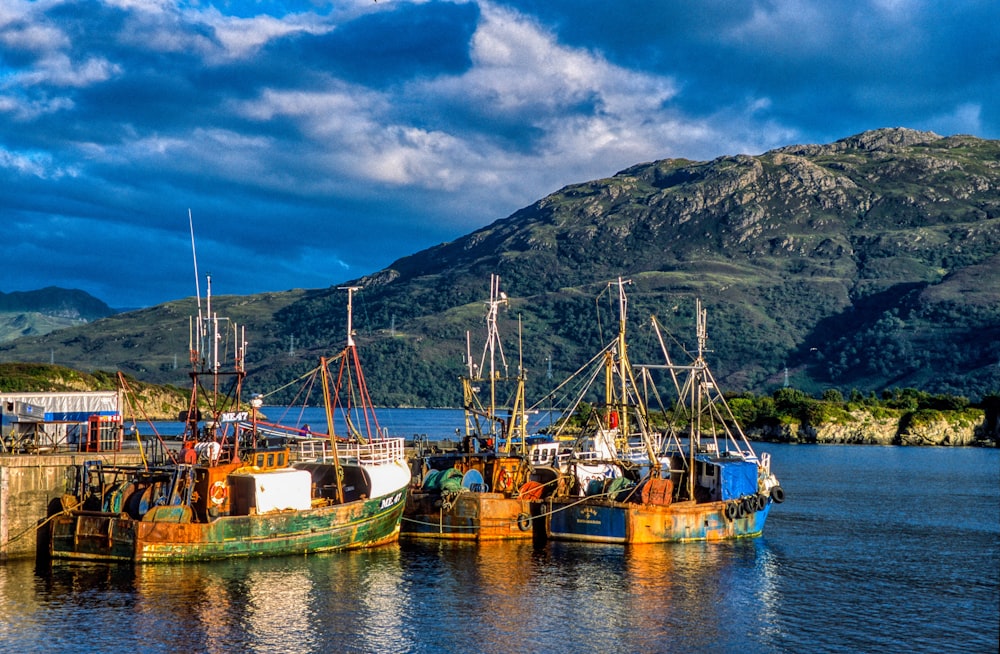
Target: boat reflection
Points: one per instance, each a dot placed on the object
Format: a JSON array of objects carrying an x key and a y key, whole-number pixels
[
  {"x": 424, "y": 596},
  {"x": 494, "y": 581},
  {"x": 281, "y": 604},
  {"x": 716, "y": 590}
]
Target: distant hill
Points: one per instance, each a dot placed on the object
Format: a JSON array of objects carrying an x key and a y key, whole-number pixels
[
  {"x": 868, "y": 263},
  {"x": 32, "y": 313}
]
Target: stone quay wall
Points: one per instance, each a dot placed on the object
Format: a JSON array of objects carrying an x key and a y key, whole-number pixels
[{"x": 31, "y": 486}]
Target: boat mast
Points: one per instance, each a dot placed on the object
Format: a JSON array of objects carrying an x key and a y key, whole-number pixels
[
  {"x": 350, "y": 313},
  {"x": 493, "y": 345},
  {"x": 350, "y": 365},
  {"x": 468, "y": 393},
  {"x": 623, "y": 371},
  {"x": 699, "y": 381},
  {"x": 518, "y": 415},
  {"x": 223, "y": 404},
  {"x": 328, "y": 405},
  {"x": 221, "y": 401},
  {"x": 488, "y": 367}
]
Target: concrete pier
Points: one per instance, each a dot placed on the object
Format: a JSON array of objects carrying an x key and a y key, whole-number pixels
[{"x": 31, "y": 486}]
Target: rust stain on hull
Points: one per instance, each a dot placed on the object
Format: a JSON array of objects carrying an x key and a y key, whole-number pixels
[{"x": 615, "y": 522}]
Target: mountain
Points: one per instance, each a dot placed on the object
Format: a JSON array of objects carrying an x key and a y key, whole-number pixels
[
  {"x": 27, "y": 313},
  {"x": 868, "y": 263}
]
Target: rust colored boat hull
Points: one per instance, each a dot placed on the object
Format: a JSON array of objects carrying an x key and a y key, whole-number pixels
[{"x": 467, "y": 516}]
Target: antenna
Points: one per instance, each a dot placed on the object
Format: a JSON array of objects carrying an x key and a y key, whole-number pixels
[
  {"x": 350, "y": 310},
  {"x": 701, "y": 327},
  {"x": 213, "y": 320},
  {"x": 468, "y": 353},
  {"x": 194, "y": 254}
]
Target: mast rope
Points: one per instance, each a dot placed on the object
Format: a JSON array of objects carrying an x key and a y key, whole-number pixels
[{"x": 298, "y": 379}]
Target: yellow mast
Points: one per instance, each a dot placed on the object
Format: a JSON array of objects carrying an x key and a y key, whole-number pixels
[{"x": 328, "y": 405}]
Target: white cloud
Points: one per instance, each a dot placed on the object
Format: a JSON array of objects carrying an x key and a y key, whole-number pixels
[
  {"x": 588, "y": 117},
  {"x": 241, "y": 37},
  {"x": 346, "y": 138},
  {"x": 142, "y": 5},
  {"x": 20, "y": 109},
  {"x": 965, "y": 119},
  {"x": 59, "y": 70},
  {"x": 786, "y": 25},
  {"x": 34, "y": 164},
  {"x": 32, "y": 37},
  {"x": 518, "y": 64},
  {"x": 420, "y": 155}
]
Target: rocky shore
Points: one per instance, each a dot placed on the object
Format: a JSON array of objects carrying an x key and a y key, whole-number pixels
[{"x": 970, "y": 427}]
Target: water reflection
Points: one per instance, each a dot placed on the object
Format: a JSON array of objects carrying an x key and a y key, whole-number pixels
[
  {"x": 467, "y": 597},
  {"x": 350, "y": 599},
  {"x": 675, "y": 597},
  {"x": 424, "y": 597},
  {"x": 586, "y": 597},
  {"x": 849, "y": 563}
]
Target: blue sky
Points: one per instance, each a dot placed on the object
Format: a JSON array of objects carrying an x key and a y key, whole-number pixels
[{"x": 315, "y": 142}]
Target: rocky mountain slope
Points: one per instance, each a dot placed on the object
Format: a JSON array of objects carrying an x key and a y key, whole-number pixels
[
  {"x": 29, "y": 313},
  {"x": 868, "y": 263}
]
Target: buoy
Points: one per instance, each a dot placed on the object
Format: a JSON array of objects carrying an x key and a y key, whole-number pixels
[{"x": 613, "y": 420}]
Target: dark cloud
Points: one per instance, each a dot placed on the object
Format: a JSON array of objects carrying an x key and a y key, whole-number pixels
[
  {"x": 387, "y": 48},
  {"x": 824, "y": 67},
  {"x": 317, "y": 142}
]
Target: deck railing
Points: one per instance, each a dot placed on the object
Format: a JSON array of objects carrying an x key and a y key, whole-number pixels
[{"x": 378, "y": 452}]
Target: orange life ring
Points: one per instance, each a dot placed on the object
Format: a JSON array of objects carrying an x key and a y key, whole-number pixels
[
  {"x": 504, "y": 480},
  {"x": 613, "y": 420},
  {"x": 218, "y": 492}
]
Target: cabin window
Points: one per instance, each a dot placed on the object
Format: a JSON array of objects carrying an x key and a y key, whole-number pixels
[
  {"x": 260, "y": 461},
  {"x": 542, "y": 455},
  {"x": 270, "y": 460},
  {"x": 281, "y": 459}
]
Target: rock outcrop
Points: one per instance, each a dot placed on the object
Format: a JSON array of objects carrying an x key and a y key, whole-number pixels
[{"x": 964, "y": 428}]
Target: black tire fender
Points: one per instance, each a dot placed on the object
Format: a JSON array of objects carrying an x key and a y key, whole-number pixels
[{"x": 778, "y": 494}]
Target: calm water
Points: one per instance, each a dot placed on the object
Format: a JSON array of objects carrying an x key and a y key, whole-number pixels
[
  {"x": 435, "y": 424},
  {"x": 875, "y": 549}
]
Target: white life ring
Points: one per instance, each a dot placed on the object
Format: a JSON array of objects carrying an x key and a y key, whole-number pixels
[{"x": 218, "y": 492}]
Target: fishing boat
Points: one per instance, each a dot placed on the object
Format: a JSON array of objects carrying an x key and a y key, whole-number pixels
[
  {"x": 639, "y": 473},
  {"x": 482, "y": 490},
  {"x": 231, "y": 492}
]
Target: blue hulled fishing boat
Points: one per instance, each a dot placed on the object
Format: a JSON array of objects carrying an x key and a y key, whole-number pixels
[{"x": 642, "y": 472}]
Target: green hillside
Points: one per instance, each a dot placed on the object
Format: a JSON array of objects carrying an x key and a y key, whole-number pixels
[{"x": 146, "y": 402}]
